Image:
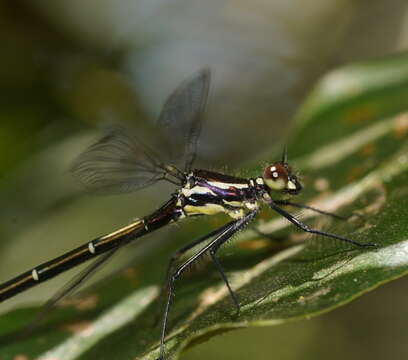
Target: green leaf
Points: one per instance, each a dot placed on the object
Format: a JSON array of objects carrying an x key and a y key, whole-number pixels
[{"x": 351, "y": 146}]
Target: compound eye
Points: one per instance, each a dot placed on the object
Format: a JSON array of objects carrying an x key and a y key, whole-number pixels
[{"x": 276, "y": 176}]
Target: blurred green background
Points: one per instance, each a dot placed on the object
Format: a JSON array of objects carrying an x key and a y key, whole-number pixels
[{"x": 69, "y": 68}]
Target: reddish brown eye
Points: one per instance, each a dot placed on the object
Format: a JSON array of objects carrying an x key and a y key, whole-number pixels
[
  {"x": 276, "y": 176},
  {"x": 275, "y": 171}
]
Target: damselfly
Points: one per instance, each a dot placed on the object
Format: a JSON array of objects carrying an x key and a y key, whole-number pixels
[{"x": 120, "y": 163}]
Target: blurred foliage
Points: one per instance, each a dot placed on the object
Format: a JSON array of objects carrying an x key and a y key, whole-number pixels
[{"x": 349, "y": 141}]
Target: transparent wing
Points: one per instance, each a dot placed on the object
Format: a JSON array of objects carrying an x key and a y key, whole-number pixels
[
  {"x": 119, "y": 163},
  {"x": 181, "y": 118}
]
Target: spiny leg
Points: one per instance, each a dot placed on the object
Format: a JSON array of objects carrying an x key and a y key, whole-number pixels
[
  {"x": 217, "y": 263},
  {"x": 173, "y": 276},
  {"x": 302, "y": 206},
  {"x": 306, "y": 228},
  {"x": 228, "y": 231},
  {"x": 299, "y": 206},
  {"x": 225, "y": 279},
  {"x": 176, "y": 255}
]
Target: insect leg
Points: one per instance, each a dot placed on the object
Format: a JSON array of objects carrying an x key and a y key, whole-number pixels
[
  {"x": 228, "y": 230},
  {"x": 217, "y": 263},
  {"x": 302, "y": 206},
  {"x": 179, "y": 253},
  {"x": 224, "y": 278},
  {"x": 306, "y": 228}
]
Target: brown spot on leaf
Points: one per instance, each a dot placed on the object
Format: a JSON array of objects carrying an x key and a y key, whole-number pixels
[
  {"x": 20, "y": 357},
  {"x": 321, "y": 184},
  {"x": 131, "y": 274},
  {"x": 84, "y": 303},
  {"x": 310, "y": 298},
  {"x": 264, "y": 214},
  {"x": 400, "y": 125},
  {"x": 354, "y": 174},
  {"x": 78, "y": 327},
  {"x": 367, "y": 149},
  {"x": 299, "y": 237},
  {"x": 254, "y": 244},
  {"x": 375, "y": 205},
  {"x": 359, "y": 114}
]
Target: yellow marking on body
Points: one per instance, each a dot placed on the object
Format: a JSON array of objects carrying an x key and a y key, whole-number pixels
[
  {"x": 123, "y": 231},
  {"x": 212, "y": 209},
  {"x": 291, "y": 185},
  {"x": 223, "y": 185},
  {"x": 104, "y": 239},
  {"x": 233, "y": 203},
  {"x": 236, "y": 214},
  {"x": 208, "y": 209},
  {"x": 197, "y": 190},
  {"x": 65, "y": 260},
  {"x": 16, "y": 284},
  {"x": 251, "y": 205}
]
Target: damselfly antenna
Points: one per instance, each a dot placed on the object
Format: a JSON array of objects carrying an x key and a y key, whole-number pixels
[{"x": 285, "y": 154}]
